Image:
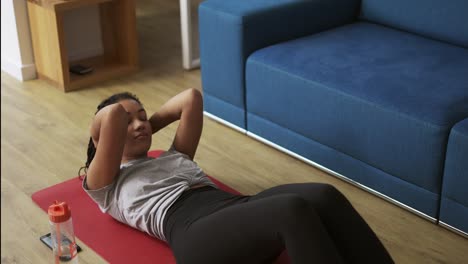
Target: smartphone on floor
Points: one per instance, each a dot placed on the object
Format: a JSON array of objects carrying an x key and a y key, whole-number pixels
[{"x": 47, "y": 240}]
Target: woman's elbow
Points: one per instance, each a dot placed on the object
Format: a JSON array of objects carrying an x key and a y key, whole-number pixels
[{"x": 195, "y": 98}]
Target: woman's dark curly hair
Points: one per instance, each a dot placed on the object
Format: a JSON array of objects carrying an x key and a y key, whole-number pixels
[{"x": 111, "y": 100}]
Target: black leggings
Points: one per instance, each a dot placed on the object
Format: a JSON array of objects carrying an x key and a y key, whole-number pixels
[{"x": 314, "y": 222}]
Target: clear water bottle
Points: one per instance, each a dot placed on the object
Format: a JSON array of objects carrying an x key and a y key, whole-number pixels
[{"x": 63, "y": 237}]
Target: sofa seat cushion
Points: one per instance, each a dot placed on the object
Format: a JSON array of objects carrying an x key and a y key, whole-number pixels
[
  {"x": 382, "y": 96},
  {"x": 454, "y": 206}
]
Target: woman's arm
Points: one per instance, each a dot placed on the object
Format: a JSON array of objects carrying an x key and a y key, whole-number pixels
[
  {"x": 108, "y": 131},
  {"x": 188, "y": 108}
]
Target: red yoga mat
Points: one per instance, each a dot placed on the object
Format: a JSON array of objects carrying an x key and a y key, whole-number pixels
[{"x": 112, "y": 240}]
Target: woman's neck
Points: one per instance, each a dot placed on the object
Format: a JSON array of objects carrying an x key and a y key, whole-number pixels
[{"x": 130, "y": 158}]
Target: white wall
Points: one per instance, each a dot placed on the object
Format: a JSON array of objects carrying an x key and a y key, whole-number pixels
[
  {"x": 82, "y": 37},
  {"x": 83, "y": 32},
  {"x": 17, "y": 55}
]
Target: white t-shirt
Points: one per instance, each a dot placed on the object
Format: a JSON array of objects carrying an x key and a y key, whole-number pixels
[{"x": 145, "y": 189}]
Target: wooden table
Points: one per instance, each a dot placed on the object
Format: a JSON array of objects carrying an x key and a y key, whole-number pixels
[{"x": 120, "y": 49}]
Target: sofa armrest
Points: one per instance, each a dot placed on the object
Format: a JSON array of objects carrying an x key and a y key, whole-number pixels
[
  {"x": 454, "y": 200},
  {"x": 230, "y": 30}
]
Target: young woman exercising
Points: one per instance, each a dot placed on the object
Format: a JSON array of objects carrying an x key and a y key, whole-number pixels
[{"x": 172, "y": 199}]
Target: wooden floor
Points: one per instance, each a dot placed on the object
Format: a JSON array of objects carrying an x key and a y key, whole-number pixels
[{"x": 44, "y": 134}]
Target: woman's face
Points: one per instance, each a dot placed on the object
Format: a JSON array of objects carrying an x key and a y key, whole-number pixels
[{"x": 139, "y": 131}]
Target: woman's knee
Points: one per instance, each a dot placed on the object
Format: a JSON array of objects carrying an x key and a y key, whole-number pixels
[
  {"x": 330, "y": 198},
  {"x": 329, "y": 192},
  {"x": 292, "y": 205},
  {"x": 317, "y": 191},
  {"x": 294, "y": 214}
]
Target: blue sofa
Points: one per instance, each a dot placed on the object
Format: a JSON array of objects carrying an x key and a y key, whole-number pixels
[
  {"x": 454, "y": 205},
  {"x": 368, "y": 89}
]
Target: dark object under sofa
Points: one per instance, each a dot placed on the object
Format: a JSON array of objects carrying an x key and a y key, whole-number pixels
[{"x": 368, "y": 89}]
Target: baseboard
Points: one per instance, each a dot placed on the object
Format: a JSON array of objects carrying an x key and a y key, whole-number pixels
[{"x": 22, "y": 72}]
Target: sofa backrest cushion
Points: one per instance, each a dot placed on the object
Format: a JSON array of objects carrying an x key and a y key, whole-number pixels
[{"x": 445, "y": 20}]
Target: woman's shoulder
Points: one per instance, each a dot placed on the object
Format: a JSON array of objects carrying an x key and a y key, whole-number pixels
[{"x": 173, "y": 152}]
